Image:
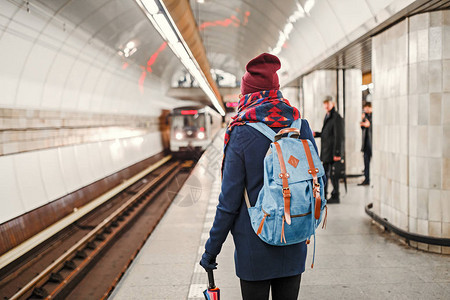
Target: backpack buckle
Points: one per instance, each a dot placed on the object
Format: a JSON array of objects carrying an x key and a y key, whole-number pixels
[
  {"x": 316, "y": 190},
  {"x": 286, "y": 192},
  {"x": 283, "y": 175}
]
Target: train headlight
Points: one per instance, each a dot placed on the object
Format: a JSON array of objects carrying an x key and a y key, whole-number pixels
[
  {"x": 178, "y": 135},
  {"x": 201, "y": 135}
]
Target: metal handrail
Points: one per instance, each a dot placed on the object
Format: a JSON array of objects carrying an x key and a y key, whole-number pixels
[{"x": 405, "y": 234}]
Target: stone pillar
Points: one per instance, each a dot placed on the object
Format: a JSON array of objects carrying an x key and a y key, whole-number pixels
[
  {"x": 353, "y": 134},
  {"x": 390, "y": 118},
  {"x": 411, "y": 113},
  {"x": 316, "y": 87}
]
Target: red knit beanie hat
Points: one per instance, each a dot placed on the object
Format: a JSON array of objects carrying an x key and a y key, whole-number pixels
[{"x": 261, "y": 74}]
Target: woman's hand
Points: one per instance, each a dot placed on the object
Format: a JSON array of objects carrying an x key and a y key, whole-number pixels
[{"x": 208, "y": 261}]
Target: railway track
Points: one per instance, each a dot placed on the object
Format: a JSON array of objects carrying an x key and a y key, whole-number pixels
[{"x": 102, "y": 244}]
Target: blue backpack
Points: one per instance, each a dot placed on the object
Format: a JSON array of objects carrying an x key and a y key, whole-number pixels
[{"x": 291, "y": 202}]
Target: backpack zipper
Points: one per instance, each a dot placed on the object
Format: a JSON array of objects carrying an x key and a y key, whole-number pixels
[{"x": 292, "y": 216}]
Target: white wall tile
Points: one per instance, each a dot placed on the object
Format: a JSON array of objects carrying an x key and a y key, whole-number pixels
[
  {"x": 52, "y": 176},
  {"x": 446, "y": 42},
  {"x": 95, "y": 161},
  {"x": 422, "y": 226},
  {"x": 68, "y": 162},
  {"x": 412, "y": 225},
  {"x": 445, "y": 205},
  {"x": 83, "y": 165},
  {"x": 435, "y": 76},
  {"x": 10, "y": 200},
  {"x": 445, "y": 174},
  {"x": 435, "y": 43},
  {"x": 29, "y": 180},
  {"x": 445, "y": 75},
  {"x": 446, "y": 230},
  {"x": 435, "y": 229},
  {"x": 434, "y": 205},
  {"x": 422, "y": 204},
  {"x": 434, "y": 173}
]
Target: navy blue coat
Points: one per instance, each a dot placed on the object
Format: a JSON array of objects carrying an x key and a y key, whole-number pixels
[{"x": 243, "y": 166}]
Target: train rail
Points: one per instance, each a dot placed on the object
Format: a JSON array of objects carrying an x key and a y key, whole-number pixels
[{"x": 61, "y": 277}]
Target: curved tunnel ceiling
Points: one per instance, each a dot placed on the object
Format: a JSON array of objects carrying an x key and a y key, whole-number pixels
[
  {"x": 233, "y": 31},
  {"x": 242, "y": 29},
  {"x": 116, "y": 23}
]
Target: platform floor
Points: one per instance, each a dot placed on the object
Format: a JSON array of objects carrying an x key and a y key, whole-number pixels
[{"x": 354, "y": 258}]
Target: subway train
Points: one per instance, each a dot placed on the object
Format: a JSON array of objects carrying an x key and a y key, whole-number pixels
[{"x": 193, "y": 128}]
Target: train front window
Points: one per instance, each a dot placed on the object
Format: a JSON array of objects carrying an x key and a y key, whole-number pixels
[{"x": 189, "y": 125}]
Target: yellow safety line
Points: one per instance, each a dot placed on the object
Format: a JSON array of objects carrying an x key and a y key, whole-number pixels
[{"x": 32, "y": 242}]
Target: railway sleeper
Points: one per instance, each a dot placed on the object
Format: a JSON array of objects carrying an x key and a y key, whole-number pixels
[
  {"x": 131, "y": 192},
  {"x": 100, "y": 237},
  {"x": 39, "y": 293},
  {"x": 69, "y": 264},
  {"x": 91, "y": 245},
  {"x": 81, "y": 254},
  {"x": 55, "y": 277}
]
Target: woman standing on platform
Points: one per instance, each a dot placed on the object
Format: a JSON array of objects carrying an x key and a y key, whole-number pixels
[{"x": 259, "y": 266}]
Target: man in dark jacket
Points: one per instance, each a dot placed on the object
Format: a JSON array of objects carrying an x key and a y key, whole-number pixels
[
  {"x": 332, "y": 136},
  {"x": 366, "y": 148}
]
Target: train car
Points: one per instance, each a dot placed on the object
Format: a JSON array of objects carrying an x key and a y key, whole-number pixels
[{"x": 193, "y": 128}]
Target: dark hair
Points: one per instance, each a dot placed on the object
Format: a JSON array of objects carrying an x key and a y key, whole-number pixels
[{"x": 367, "y": 104}]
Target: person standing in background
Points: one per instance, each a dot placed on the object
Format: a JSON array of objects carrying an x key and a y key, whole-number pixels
[
  {"x": 332, "y": 136},
  {"x": 366, "y": 147}
]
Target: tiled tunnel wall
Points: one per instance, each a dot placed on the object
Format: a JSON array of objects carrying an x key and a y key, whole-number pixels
[
  {"x": 24, "y": 130},
  {"x": 411, "y": 163}
]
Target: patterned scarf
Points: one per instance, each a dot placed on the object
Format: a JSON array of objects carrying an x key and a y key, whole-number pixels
[{"x": 268, "y": 107}]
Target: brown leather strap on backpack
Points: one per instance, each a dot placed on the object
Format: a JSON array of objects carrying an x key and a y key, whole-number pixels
[
  {"x": 313, "y": 171},
  {"x": 295, "y": 131},
  {"x": 284, "y": 175}
]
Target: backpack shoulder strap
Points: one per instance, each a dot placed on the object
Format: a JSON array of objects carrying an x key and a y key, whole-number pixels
[
  {"x": 297, "y": 124},
  {"x": 264, "y": 129},
  {"x": 313, "y": 171}
]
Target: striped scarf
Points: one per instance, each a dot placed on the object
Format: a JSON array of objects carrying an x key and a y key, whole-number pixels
[{"x": 268, "y": 107}]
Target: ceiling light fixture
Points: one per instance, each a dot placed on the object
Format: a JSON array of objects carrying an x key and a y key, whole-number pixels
[
  {"x": 300, "y": 12},
  {"x": 158, "y": 15},
  {"x": 309, "y": 5}
]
